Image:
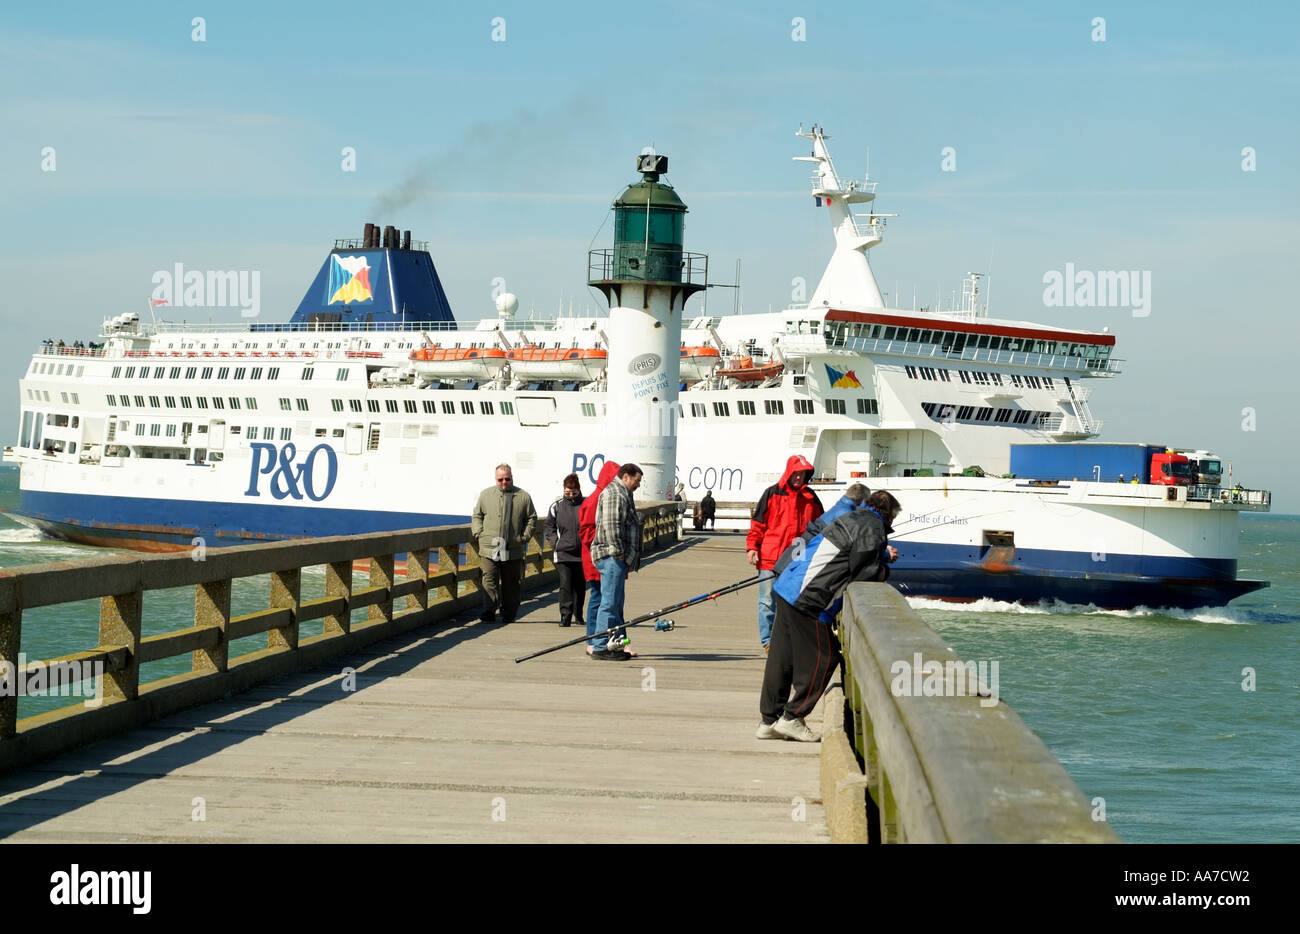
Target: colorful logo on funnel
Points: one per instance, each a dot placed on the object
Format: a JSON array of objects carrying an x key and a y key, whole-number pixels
[
  {"x": 349, "y": 280},
  {"x": 842, "y": 380}
]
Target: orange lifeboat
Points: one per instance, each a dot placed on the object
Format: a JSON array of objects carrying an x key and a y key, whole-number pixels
[
  {"x": 578, "y": 363},
  {"x": 699, "y": 362},
  {"x": 458, "y": 362},
  {"x": 743, "y": 370}
]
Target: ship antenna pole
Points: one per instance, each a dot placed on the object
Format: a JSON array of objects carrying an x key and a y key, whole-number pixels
[
  {"x": 988, "y": 289},
  {"x": 735, "y": 299}
]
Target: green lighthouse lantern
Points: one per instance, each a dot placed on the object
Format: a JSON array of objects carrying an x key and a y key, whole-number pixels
[{"x": 648, "y": 222}]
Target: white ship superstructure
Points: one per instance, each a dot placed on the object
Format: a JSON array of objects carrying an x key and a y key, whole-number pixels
[{"x": 374, "y": 409}]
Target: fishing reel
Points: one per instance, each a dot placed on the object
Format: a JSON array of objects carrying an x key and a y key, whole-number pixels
[{"x": 664, "y": 625}]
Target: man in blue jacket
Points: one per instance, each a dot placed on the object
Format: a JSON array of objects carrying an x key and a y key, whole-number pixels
[{"x": 849, "y": 544}]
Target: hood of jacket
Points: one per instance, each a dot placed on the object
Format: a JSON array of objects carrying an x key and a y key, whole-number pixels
[
  {"x": 797, "y": 463},
  {"x": 587, "y": 511}
]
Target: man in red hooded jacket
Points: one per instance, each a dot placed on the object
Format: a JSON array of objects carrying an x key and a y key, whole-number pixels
[{"x": 783, "y": 512}]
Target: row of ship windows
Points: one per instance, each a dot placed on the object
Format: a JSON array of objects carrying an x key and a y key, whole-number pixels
[
  {"x": 43, "y": 395},
  {"x": 58, "y": 369},
  {"x": 266, "y": 433},
  {"x": 980, "y": 378},
  {"x": 777, "y": 407},
  {"x": 944, "y": 412},
  {"x": 221, "y": 372},
  {"x": 838, "y": 334},
  {"x": 430, "y": 406},
  {"x": 448, "y": 407}
]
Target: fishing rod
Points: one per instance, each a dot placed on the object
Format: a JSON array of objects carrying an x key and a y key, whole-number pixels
[{"x": 660, "y": 625}]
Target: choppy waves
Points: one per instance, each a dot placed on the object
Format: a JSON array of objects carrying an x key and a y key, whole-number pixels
[{"x": 1222, "y": 615}]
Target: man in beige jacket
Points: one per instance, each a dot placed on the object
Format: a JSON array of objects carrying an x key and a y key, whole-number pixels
[{"x": 502, "y": 524}]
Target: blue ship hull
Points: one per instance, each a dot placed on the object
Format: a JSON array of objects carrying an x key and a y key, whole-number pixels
[{"x": 154, "y": 525}]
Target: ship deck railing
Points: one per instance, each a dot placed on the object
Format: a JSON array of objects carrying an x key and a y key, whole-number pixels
[
  {"x": 1069, "y": 364},
  {"x": 1211, "y": 492},
  {"x": 73, "y": 352},
  {"x": 143, "y": 331},
  {"x": 359, "y": 244}
]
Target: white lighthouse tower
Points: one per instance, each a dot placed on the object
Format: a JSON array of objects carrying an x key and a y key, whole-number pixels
[{"x": 646, "y": 278}]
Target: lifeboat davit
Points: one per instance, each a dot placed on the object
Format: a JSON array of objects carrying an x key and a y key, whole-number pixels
[
  {"x": 699, "y": 362},
  {"x": 458, "y": 362},
  {"x": 744, "y": 370},
  {"x": 577, "y": 363}
]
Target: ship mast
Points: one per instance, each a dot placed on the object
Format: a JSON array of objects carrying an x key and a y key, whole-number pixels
[{"x": 848, "y": 280}]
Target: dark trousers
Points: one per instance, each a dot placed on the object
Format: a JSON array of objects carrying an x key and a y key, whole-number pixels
[
  {"x": 803, "y": 654},
  {"x": 573, "y": 588},
  {"x": 501, "y": 581}
]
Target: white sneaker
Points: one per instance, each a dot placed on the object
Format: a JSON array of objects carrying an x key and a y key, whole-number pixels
[
  {"x": 766, "y": 731},
  {"x": 795, "y": 729}
]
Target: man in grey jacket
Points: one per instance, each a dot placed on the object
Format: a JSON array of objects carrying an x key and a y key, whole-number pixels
[{"x": 502, "y": 524}]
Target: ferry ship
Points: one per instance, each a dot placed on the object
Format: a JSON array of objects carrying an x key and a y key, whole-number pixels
[{"x": 372, "y": 408}]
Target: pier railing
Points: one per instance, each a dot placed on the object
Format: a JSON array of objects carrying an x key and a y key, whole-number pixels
[
  {"x": 436, "y": 585},
  {"x": 944, "y": 759}
]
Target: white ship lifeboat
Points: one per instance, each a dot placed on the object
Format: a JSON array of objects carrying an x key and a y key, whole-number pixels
[
  {"x": 699, "y": 362},
  {"x": 458, "y": 362},
  {"x": 579, "y": 363},
  {"x": 744, "y": 370}
]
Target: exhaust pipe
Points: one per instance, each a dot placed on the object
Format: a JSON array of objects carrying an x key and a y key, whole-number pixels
[{"x": 406, "y": 240}]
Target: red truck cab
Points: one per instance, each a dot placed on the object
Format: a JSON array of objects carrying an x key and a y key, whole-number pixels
[{"x": 1171, "y": 469}]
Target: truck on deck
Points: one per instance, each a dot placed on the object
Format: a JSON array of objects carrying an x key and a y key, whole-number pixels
[{"x": 1101, "y": 462}]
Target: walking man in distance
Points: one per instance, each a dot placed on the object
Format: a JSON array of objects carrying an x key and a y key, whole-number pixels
[{"x": 502, "y": 524}]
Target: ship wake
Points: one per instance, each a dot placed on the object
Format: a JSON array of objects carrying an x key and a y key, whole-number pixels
[{"x": 1219, "y": 615}]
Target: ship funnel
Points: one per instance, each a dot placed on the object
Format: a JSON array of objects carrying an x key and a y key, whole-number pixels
[{"x": 377, "y": 284}]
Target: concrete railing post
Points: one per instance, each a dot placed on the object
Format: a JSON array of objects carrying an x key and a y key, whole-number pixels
[
  {"x": 417, "y": 569},
  {"x": 472, "y": 560},
  {"x": 448, "y": 560},
  {"x": 338, "y": 583},
  {"x": 286, "y": 593},
  {"x": 381, "y": 575},
  {"x": 119, "y": 624},
  {"x": 546, "y": 556},
  {"x": 211, "y": 608},
  {"x": 11, "y": 632}
]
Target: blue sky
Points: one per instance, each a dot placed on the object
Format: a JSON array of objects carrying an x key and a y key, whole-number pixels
[{"x": 1122, "y": 154}]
